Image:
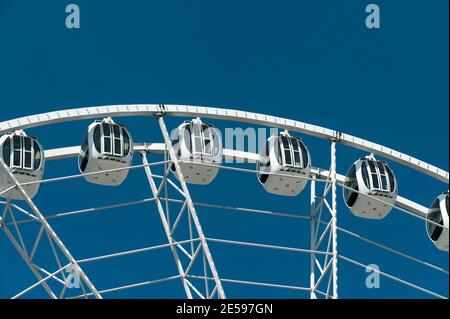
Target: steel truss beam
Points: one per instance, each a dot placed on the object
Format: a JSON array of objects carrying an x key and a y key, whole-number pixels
[
  {"x": 55, "y": 243},
  {"x": 323, "y": 227},
  {"x": 323, "y": 262},
  {"x": 172, "y": 225}
]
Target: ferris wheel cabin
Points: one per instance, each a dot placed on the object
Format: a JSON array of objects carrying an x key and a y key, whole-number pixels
[
  {"x": 23, "y": 157},
  {"x": 106, "y": 146},
  {"x": 370, "y": 188},
  {"x": 288, "y": 156},
  {"x": 199, "y": 149},
  {"x": 438, "y": 213}
]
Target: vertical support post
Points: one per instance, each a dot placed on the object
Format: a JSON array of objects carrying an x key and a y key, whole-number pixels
[
  {"x": 166, "y": 224},
  {"x": 313, "y": 240},
  {"x": 334, "y": 219},
  {"x": 192, "y": 211}
]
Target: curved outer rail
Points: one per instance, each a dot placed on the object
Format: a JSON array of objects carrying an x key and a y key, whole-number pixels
[
  {"x": 224, "y": 114},
  {"x": 159, "y": 148}
]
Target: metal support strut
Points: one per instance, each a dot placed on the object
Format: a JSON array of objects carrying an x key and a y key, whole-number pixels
[
  {"x": 193, "y": 218},
  {"x": 324, "y": 234},
  {"x": 334, "y": 218},
  {"x": 313, "y": 243},
  {"x": 53, "y": 238},
  {"x": 166, "y": 226}
]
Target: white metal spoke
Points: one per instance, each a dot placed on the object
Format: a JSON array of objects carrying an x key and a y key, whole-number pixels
[
  {"x": 40, "y": 282},
  {"x": 177, "y": 220},
  {"x": 134, "y": 251},
  {"x": 324, "y": 233},
  {"x": 166, "y": 227},
  {"x": 324, "y": 272},
  {"x": 394, "y": 278},
  {"x": 362, "y": 238},
  {"x": 185, "y": 236},
  {"x": 190, "y": 204},
  {"x": 125, "y": 287},
  {"x": 49, "y": 231},
  {"x": 254, "y": 283},
  {"x": 27, "y": 261},
  {"x": 195, "y": 289},
  {"x": 184, "y": 251},
  {"x": 55, "y": 254},
  {"x": 48, "y": 273},
  {"x": 36, "y": 242},
  {"x": 319, "y": 266},
  {"x": 275, "y": 247},
  {"x": 19, "y": 234},
  {"x": 88, "y": 210}
]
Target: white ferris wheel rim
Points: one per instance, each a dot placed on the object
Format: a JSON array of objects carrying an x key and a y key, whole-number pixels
[
  {"x": 330, "y": 177},
  {"x": 223, "y": 114}
]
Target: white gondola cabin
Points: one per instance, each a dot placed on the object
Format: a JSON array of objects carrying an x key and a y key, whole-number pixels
[
  {"x": 438, "y": 213},
  {"x": 106, "y": 146},
  {"x": 370, "y": 188},
  {"x": 198, "y": 147},
  {"x": 24, "y": 158},
  {"x": 284, "y": 165}
]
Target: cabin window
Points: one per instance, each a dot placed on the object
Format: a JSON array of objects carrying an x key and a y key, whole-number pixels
[
  {"x": 7, "y": 151},
  {"x": 293, "y": 152},
  {"x": 392, "y": 182},
  {"x": 305, "y": 155},
  {"x": 197, "y": 136},
  {"x": 97, "y": 139},
  {"x": 278, "y": 152},
  {"x": 187, "y": 138},
  {"x": 286, "y": 150},
  {"x": 352, "y": 184},
  {"x": 106, "y": 139},
  {"x": 17, "y": 152},
  {"x": 446, "y": 203},
  {"x": 203, "y": 140},
  {"x": 381, "y": 176},
  {"x": 365, "y": 175},
  {"x": 84, "y": 154},
  {"x": 126, "y": 143},
  {"x": 117, "y": 140},
  {"x": 374, "y": 175},
  {"x": 435, "y": 215},
  {"x": 25, "y": 153},
  {"x": 207, "y": 139},
  {"x": 113, "y": 140},
  {"x": 296, "y": 152}
]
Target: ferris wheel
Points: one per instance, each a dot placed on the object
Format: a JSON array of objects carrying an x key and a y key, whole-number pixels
[{"x": 193, "y": 154}]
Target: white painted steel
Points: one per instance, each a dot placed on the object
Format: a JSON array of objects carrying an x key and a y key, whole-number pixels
[
  {"x": 223, "y": 114},
  {"x": 159, "y": 148}
]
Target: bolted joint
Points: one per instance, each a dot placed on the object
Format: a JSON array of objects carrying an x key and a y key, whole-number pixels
[
  {"x": 336, "y": 138},
  {"x": 161, "y": 112},
  {"x": 142, "y": 154}
]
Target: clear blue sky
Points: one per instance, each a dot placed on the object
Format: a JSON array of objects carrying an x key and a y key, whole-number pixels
[{"x": 312, "y": 61}]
